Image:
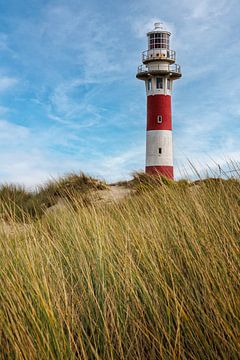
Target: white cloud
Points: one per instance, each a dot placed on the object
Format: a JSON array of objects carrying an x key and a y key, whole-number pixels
[
  {"x": 73, "y": 37},
  {"x": 214, "y": 164},
  {"x": 117, "y": 166},
  {"x": 141, "y": 26},
  {"x": 12, "y": 132},
  {"x": 31, "y": 168},
  {"x": 65, "y": 108},
  {"x": 7, "y": 83},
  {"x": 207, "y": 9}
]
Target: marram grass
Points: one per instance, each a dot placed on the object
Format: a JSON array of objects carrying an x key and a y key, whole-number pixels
[{"x": 155, "y": 276}]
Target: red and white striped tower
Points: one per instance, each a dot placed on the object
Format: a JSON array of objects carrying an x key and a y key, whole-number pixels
[{"x": 159, "y": 71}]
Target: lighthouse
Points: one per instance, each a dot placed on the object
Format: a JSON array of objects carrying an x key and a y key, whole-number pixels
[{"x": 159, "y": 71}]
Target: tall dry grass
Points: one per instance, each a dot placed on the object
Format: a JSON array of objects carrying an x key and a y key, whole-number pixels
[
  {"x": 21, "y": 205},
  {"x": 155, "y": 276}
]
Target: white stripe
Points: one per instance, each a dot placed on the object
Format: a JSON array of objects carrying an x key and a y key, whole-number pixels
[
  {"x": 154, "y": 90},
  {"x": 159, "y": 139}
]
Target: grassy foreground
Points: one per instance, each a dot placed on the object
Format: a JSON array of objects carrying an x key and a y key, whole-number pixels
[{"x": 155, "y": 276}]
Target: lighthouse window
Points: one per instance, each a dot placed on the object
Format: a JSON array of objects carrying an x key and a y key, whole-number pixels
[
  {"x": 159, "y": 41},
  {"x": 159, "y": 119},
  {"x": 168, "y": 84},
  {"x": 160, "y": 151},
  {"x": 151, "y": 41},
  {"x": 149, "y": 85},
  {"x": 159, "y": 83}
]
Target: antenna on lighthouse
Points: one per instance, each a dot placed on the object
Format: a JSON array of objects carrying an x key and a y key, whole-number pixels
[{"x": 159, "y": 70}]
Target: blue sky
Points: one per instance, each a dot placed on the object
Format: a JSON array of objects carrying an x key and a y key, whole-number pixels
[{"x": 69, "y": 99}]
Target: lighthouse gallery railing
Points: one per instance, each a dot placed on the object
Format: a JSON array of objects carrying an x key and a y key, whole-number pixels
[
  {"x": 175, "y": 68},
  {"x": 155, "y": 54}
]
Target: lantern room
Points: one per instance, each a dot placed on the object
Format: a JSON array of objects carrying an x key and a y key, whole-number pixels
[{"x": 158, "y": 38}]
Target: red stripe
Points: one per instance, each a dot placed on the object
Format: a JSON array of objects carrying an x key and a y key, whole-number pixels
[
  {"x": 159, "y": 105},
  {"x": 166, "y": 171}
]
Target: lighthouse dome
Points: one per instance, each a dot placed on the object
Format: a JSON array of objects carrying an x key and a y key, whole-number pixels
[{"x": 159, "y": 27}]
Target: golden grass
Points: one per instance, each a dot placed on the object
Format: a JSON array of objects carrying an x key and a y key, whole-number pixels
[
  {"x": 21, "y": 205},
  {"x": 155, "y": 276}
]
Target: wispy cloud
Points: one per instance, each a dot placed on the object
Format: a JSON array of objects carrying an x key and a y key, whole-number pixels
[
  {"x": 7, "y": 83},
  {"x": 3, "y": 42},
  {"x": 206, "y": 9},
  {"x": 12, "y": 132},
  {"x": 141, "y": 26}
]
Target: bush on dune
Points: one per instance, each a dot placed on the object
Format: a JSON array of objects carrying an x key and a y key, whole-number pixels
[{"x": 71, "y": 184}]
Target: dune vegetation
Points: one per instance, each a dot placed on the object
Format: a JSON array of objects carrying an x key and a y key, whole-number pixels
[
  {"x": 21, "y": 205},
  {"x": 153, "y": 276}
]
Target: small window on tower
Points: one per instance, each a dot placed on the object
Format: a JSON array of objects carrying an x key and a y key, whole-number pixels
[
  {"x": 159, "y": 83},
  {"x": 159, "y": 119},
  {"x": 168, "y": 84},
  {"x": 149, "y": 84},
  {"x": 160, "y": 151}
]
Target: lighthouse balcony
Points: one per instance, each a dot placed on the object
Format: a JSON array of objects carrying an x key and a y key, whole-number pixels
[
  {"x": 144, "y": 72},
  {"x": 158, "y": 54}
]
